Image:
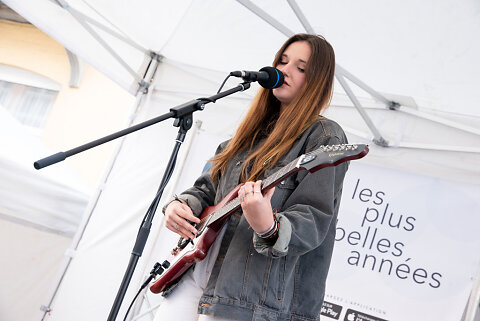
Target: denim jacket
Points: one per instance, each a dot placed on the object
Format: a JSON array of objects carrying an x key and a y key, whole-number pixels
[{"x": 284, "y": 279}]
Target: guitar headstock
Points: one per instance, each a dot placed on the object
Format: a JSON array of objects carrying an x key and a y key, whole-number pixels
[{"x": 331, "y": 155}]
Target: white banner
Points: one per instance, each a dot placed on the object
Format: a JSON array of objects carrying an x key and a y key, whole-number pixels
[{"x": 407, "y": 247}]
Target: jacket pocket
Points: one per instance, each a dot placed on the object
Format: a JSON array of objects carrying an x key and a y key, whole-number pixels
[
  {"x": 282, "y": 193},
  {"x": 283, "y": 190},
  {"x": 281, "y": 283}
]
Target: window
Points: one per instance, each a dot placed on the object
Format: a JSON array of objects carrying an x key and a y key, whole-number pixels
[{"x": 27, "y": 96}]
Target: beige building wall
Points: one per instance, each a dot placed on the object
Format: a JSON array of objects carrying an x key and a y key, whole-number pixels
[{"x": 95, "y": 109}]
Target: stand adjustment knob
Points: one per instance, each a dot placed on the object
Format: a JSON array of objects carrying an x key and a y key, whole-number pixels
[{"x": 166, "y": 264}]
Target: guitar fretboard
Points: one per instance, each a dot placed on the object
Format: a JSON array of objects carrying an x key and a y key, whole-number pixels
[
  {"x": 274, "y": 179},
  {"x": 267, "y": 183}
]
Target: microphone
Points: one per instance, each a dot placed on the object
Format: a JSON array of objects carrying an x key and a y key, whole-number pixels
[{"x": 267, "y": 77}]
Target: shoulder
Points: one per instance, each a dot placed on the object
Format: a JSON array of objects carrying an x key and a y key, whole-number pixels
[
  {"x": 326, "y": 127},
  {"x": 222, "y": 146},
  {"x": 324, "y": 131}
]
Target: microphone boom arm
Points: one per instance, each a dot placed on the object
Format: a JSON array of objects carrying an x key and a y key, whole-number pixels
[{"x": 175, "y": 112}]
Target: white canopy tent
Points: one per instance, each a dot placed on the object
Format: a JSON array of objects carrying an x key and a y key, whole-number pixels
[
  {"x": 419, "y": 62},
  {"x": 28, "y": 195},
  {"x": 39, "y": 213},
  {"x": 419, "y": 55}
]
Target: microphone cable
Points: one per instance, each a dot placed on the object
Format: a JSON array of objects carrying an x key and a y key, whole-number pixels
[{"x": 223, "y": 83}]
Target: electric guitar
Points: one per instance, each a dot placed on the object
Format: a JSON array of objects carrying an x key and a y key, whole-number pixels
[{"x": 187, "y": 252}]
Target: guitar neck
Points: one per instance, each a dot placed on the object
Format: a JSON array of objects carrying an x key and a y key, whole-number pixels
[{"x": 329, "y": 155}]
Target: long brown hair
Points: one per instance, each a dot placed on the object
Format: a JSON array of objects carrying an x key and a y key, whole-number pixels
[{"x": 282, "y": 128}]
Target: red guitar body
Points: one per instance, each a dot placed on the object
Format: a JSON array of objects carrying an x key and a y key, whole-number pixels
[{"x": 182, "y": 260}]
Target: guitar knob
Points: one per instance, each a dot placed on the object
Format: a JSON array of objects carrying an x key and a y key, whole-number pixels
[{"x": 166, "y": 264}]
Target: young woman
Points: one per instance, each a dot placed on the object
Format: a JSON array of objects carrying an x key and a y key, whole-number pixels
[{"x": 271, "y": 260}]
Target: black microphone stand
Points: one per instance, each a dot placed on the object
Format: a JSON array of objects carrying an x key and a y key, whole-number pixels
[{"x": 183, "y": 115}]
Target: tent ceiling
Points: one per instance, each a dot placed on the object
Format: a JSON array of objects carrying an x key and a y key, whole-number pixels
[
  {"x": 425, "y": 50},
  {"x": 422, "y": 54}
]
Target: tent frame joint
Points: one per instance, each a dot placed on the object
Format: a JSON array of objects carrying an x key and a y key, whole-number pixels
[
  {"x": 45, "y": 308},
  {"x": 143, "y": 86},
  {"x": 393, "y": 105},
  {"x": 156, "y": 56},
  {"x": 380, "y": 141}
]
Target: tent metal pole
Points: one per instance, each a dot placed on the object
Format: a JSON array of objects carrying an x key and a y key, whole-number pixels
[
  {"x": 266, "y": 17},
  {"x": 301, "y": 17},
  {"x": 423, "y": 115},
  {"x": 473, "y": 305},
  {"x": 109, "y": 31},
  {"x": 377, "y": 137},
  {"x": 70, "y": 253},
  {"x": 375, "y": 94},
  {"x": 102, "y": 42},
  {"x": 411, "y": 145},
  {"x": 441, "y": 120},
  {"x": 447, "y": 148}
]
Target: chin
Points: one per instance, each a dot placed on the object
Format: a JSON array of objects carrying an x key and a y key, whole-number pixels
[
  {"x": 280, "y": 95},
  {"x": 283, "y": 100}
]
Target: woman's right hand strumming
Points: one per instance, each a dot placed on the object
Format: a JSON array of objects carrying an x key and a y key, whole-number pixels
[{"x": 176, "y": 214}]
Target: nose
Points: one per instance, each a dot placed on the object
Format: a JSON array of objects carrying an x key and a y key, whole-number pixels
[{"x": 284, "y": 69}]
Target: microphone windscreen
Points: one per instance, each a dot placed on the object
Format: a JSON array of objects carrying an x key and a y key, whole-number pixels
[{"x": 275, "y": 78}]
